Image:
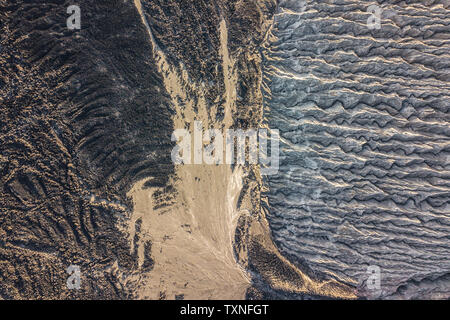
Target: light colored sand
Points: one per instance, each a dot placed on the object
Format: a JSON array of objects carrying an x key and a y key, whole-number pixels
[
  {"x": 192, "y": 242},
  {"x": 193, "y": 238}
]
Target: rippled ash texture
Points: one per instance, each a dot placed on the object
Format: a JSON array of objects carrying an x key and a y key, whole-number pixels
[{"x": 364, "y": 119}]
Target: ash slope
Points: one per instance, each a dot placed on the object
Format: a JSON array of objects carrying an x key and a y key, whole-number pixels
[
  {"x": 364, "y": 118},
  {"x": 83, "y": 115}
]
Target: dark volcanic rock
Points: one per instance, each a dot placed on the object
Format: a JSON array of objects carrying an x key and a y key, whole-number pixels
[{"x": 83, "y": 115}]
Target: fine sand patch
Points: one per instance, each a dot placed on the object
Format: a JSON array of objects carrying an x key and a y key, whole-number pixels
[
  {"x": 192, "y": 242},
  {"x": 192, "y": 239}
]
